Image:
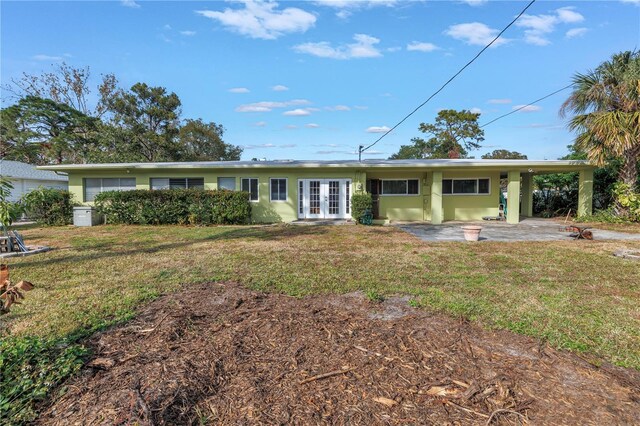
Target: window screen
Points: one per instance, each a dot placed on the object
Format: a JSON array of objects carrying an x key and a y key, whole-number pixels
[
  {"x": 250, "y": 185},
  {"x": 278, "y": 189},
  {"x": 401, "y": 187},
  {"x": 94, "y": 186},
  {"x": 228, "y": 183}
]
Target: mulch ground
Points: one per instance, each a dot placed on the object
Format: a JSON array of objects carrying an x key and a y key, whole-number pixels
[{"x": 221, "y": 354}]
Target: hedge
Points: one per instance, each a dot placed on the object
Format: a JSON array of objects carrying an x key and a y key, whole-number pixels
[
  {"x": 174, "y": 207},
  {"x": 48, "y": 206},
  {"x": 360, "y": 203}
]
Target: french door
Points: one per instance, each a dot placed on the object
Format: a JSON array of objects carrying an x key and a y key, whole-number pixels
[{"x": 324, "y": 198}]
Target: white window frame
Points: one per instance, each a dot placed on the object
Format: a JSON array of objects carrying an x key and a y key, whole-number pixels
[
  {"x": 186, "y": 181},
  {"x": 382, "y": 194},
  {"x": 286, "y": 190},
  {"x": 235, "y": 182},
  {"x": 457, "y": 194},
  {"x": 257, "y": 187},
  {"x": 84, "y": 186}
]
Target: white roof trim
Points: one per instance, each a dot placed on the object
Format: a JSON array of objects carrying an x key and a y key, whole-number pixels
[{"x": 365, "y": 164}]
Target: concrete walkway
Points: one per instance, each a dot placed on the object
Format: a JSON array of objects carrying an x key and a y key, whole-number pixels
[{"x": 529, "y": 229}]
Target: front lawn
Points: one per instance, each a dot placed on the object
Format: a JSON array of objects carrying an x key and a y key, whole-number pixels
[{"x": 573, "y": 294}]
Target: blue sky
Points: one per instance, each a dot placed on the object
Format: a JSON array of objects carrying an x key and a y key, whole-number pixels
[{"x": 313, "y": 80}]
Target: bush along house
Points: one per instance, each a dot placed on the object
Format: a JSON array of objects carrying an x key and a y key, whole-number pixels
[{"x": 289, "y": 190}]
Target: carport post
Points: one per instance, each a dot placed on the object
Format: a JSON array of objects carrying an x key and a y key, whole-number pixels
[
  {"x": 585, "y": 192},
  {"x": 513, "y": 197},
  {"x": 436, "y": 198},
  {"x": 527, "y": 194}
]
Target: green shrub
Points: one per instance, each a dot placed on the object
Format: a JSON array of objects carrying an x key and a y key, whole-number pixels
[
  {"x": 49, "y": 206},
  {"x": 602, "y": 216},
  {"x": 174, "y": 207},
  {"x": 30, "y": 367},
  {"x": 360, "y": 203}
]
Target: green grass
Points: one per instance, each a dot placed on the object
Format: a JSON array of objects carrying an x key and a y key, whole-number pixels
[{"x": 573, "y": 294}]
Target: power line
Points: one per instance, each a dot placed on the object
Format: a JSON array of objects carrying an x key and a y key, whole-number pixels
[
  {"x": 527, "y": 105},
  {"x": 361, "y": 149}
]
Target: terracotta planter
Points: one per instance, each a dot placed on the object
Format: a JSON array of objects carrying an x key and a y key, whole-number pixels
[{"x": 472, "y": 233}]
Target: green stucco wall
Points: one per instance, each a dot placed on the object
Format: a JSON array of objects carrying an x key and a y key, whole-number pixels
[
  {"x": 264, "y": 210},
  {"x": 472, "y": 207}
]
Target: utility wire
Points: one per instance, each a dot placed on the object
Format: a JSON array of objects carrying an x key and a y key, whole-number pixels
[
  {"x": 361, "y": 149},
  {"x": 529, "y": 104}
]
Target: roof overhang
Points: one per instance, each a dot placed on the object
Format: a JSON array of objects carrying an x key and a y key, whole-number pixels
[{"x": 524, "y": 166}]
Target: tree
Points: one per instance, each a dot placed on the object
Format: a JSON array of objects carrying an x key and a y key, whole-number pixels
[
  {"x": 453, "y": 134},
  {"x": 200, "y": 141},
  {"x": 67, "y": 85},
  {"x": 43, "y": 131},
  {"x": 149, "y": 118},
  {"x": 605, "y": 104},
  {"x": 503, "y": 154}
]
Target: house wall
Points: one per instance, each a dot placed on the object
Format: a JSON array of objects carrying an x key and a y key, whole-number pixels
[
  {"x": 392, "y": 207},
  {"x": 263, "y": 210},
  {"x": 24, "y": 186},
  {"x": 472, "y": 207},
  {"x": 405, "y": 207}
]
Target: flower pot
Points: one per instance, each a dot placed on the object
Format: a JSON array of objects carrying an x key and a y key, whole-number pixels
[{"x": 472, "y": 233}]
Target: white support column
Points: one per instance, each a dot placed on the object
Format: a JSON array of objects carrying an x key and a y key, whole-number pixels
[
  {"x": 513, "y": 197},
  {"x": 436, "y": 198}
]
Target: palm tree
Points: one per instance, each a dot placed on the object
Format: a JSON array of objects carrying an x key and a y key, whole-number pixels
[{"x": 605, "y": 104}]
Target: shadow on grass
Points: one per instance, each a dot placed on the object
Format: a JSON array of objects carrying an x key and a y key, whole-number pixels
[{"x": 271, "y": 233}]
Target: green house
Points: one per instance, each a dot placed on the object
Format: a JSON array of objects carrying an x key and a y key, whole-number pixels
[{"x": 290, "y": 190}]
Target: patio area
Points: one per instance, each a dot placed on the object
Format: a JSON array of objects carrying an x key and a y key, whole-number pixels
[{"x": 529, "y": 229}]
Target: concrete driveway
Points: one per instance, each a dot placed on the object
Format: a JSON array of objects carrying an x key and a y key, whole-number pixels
[{"x": 527, "y": 230}]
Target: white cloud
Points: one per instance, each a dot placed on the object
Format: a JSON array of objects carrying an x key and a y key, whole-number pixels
[
  {"x": 279, "y": 88},
  {"x": 298, "y": 112},
  {"x": 267, "y": 106},
  {"x": 364, "y": 47},
  {"x": 291, "y": 126},
  {"x": 42, "y": 57},
  {"x": 475, "y": 33},
  {"x": 338, "y": 108},
  {"x": 475, "y": 2},
  {"x": 188, "y": 33},
  {"x": 130, "y": 3},
  {"x": 167, "y": 27},
  {"x": 419, "y": 46},
  {"x": 268, "y": 145},
  {"x": 476, "y": 110},
  {"x": 361, "y": 107},
  {"x": 377, "y": 129},
  {"x": 528, "y": 108},
  {"x": 576, "y": 32},
  {"x": 239, "y": 90},
  {"x": 262, "y": 19},
  {"x": 499, "y": 101},
  {"x": 260, "y": 124},
  {"x": 636, "y": 2},
  {"x": 346, "y": 8},
  {"x": 538, "y": 27},
  {"x": 568, "y": 15},
  {"x": 311, "y": 125}
]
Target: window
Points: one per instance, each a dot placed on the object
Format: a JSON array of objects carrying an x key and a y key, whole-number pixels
[
  {"x": 94, "y": 186},
  {"x": 466, "y": 186},
  {"x": 278, "y": 189},
  {"x": 301, "y": 197},
  {"x": 177, "y": 183},
  {"x": 228, "y": 183},
  {"x": 401, "y": 187},
  {"x": 250, "y": 185}
]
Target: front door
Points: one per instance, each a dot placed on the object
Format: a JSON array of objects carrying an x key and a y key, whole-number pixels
[{"x": 324, "y": 198}]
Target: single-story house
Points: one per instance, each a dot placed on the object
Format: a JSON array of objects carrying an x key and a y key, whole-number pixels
[
  {"x": 289, "y": 190},
  {"x": 25, "y": 178}
]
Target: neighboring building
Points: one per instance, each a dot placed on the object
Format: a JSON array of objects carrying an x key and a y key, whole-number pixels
[
  {"x": 25, "y": 178},
  {"x": 403, "y": 190}
]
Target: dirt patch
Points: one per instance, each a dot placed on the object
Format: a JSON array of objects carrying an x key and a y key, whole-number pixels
[{"x": 221, "y": 354}]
